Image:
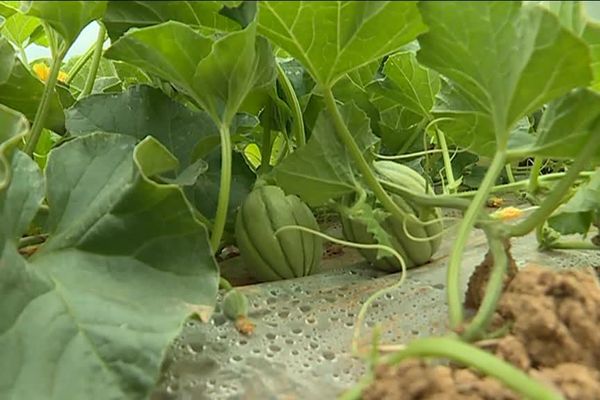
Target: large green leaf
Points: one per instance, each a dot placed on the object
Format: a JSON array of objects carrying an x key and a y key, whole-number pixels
[
  {"x": 91, "y": 313},
  {"x": 566, "y": 126},
  {"x": 408, "y": 83},
  {"x": 204, "y": 192},
  {"x": 332, "y": 38},
  {"x": 323, "y": 168},
  {"x": 141, "y": 111},
  {"x": 8, "y": 8},
  {"x": 67, "y": 18},
  {"x": 77, "y": 82},
  {"x": 217, "y": 75},
  {"x": 19, "y": 28},
  {"x": 13, "y": 126},
  {"x": 591, "y": 35},
  {"x": 7, "y": 60},
  {"x": 23, "y": 92},
  {"x": 120, "y": 16},
  {"x": 577, "y": 214},
  {"x": 503, "y": 60}
]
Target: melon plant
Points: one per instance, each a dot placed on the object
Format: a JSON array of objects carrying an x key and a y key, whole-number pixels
[
  {"x": 121, "y": 171},
  {"x": 286, "y": 255},
  {"x": 415, "y": 240}
]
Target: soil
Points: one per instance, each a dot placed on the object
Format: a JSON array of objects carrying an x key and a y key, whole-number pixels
[{"x": 553, "y": 333}]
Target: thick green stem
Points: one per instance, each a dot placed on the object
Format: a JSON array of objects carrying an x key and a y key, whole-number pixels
[
  {"x": 493, "y": 290},
  {"x": 447, "y": 163},
  {"x": 470, "y": 218},
  {"x": 267, "y": 142},
  {"x": 555, "y": 197},
  {"x": 363, "y": 167},
  {"x": 91, "y": 78},
  {"x": 534, "y": 174},
  {"x": 224, "y": 187},
  {"x": 42, "y": 111},
  {"x": 290, "y": 94},
  {"x": 471, "y": 356},
  {"x": 81, "y": 61}
]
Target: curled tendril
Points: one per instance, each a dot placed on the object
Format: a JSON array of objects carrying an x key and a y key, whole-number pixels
[{"x": 364, "y": 308}]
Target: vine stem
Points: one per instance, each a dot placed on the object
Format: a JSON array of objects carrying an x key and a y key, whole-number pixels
[
  {"x": 478, "y": 359},
  {"x": 224, "y": 187},
  {"x": 509, "y": 173},
  {"x": 42, "y": 111},
  {"x": 493, "y": 289},
  {"x": 521, "y": 184},
  {"x": 81, "y": 61},
  {"x": 455, "y": 309},
  {"x": 89, "y": 82},
  {"x": 534, "y": 173},
  {"x": 425, "y": 200},
  {"x": 290, "y": 94},
  {"x": 409, "y": 155},
  {"x": 447, "y": 163},
  {"x": 346, "y": 138},
  {"x": 573, "y": 245},
  {"x": 554, "y": 198}
]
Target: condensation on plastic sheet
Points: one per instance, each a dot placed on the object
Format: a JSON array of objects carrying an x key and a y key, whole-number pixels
[{"x": 301, "y": 346}]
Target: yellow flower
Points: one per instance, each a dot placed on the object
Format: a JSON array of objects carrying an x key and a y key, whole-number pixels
[
  {"x": 507, "y": 213},
  {"x": 62, "y": 76},
  {"x": 43, "y": 72}
]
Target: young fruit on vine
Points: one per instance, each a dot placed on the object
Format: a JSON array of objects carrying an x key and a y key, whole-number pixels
[
  {"x": 235, "y": 307},
  {"x": 288, "y": 255},
  {"x": 426, "y": 226}
]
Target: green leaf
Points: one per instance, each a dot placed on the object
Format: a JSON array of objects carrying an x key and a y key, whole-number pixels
[
  {"x": 372, "y": 218},
  {"x": 503, "y": 61},
  {"x": 105, "y": 69},
  {"x": 408, "y": 83},
  {"x": 333, "y": 38},
  {"x": 68, "y": 18},
  {"x": 204, "y": 193},
  {"x": 120, "y": 16},
  {"x": 125, "y": 264},
  {"x": 577, "y": 214},
  {"x": 566, "y": 125},
  {"x": 7, "y": 60},
  {"x": 141, "y": 111},
  {"x": 23, "y": 92},
  {"x": 323, "y": 168},
  {"x": 353, "y": 87},
  {"x": 19, "y": 28},
  {"x": 591, "y": 35},
  {"x": 13, "y": 127},
  {"x": 8, "y": 8},
  {"x": 26, "y": 192},
  {"x": 238, "y": 63},
  {"x": 570, "y": 14}
]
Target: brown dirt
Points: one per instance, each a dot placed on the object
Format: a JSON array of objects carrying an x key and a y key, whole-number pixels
[
  {"x": 554, "y": 335},
  {"x": 479, "y": 279}
]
